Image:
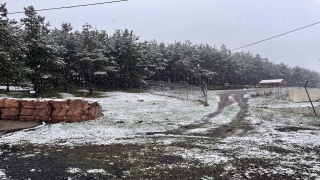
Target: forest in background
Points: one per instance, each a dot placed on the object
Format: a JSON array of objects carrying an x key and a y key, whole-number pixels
[{"x": 32, "y": 53}]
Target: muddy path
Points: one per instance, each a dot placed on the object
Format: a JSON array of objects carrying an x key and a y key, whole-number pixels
[
  {"x": 236, "y": 123},
  {"x": 222, "y": 131}
]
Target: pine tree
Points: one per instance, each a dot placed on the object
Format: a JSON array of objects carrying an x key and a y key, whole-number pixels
[
  {"x": 66, "y": 46},
  {"x": 12, "y": 69},
  {"x": 91, "y": 57},
  {"x": 40, "y": 55}
]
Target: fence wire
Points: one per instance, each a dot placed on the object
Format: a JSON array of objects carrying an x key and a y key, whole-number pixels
[{"x": 178, "y": 90}]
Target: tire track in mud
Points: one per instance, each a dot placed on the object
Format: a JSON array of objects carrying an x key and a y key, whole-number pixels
[
  {"x": 236, "y": 123},
  {"x": 223, "y": 130}
]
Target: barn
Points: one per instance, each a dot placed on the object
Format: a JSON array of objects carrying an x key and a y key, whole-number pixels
[{"x": 272, "y": 83}]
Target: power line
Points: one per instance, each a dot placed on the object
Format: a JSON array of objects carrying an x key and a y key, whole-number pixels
[
  {"x": 276, "y": 36},
  {"x": 68, "y": 7}
]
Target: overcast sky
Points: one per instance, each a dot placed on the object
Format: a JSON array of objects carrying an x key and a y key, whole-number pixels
[{"x": 235, "y": 23}]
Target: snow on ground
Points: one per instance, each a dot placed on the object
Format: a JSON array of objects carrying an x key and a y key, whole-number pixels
[
  {"x": 277, "y": 137},
  {"x": 15, "y": 88},
  {"x": 2, "y": 174},
  {"x": 126, "y": 115},
  {"x": 225, "y": 117},
  {"x": 289, "y": 140}
]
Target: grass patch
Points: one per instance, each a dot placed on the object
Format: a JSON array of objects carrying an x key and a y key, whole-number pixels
[
  {"x": 95, "y": 94},
  {"x": 16, "y": 94},
  {"x": 51, "y": 93},
  {"x": 118, "y": 161}
]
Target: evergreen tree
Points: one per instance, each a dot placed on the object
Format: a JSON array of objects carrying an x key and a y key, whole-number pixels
[
  {"x": 91, "y": 57},
  {"x": 12, "y": 69},
  {"x": 129, "y": 54},
  {"x": 40, "y": 55},
  {"x": 66, "y": 47}
]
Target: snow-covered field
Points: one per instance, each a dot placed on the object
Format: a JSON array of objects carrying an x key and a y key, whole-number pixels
[
  {"x": 288, "y": 142},
  {"x": 126, "y": 115}
]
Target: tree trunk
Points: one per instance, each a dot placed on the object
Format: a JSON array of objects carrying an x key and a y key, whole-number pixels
[
  {"x": 7, "y": 84},
  {"x": 90, "y": 85},
  {"x": 65, "y": 81},
  {"x": 36, "y": 89},
  {"x": 65, "y": 84}
]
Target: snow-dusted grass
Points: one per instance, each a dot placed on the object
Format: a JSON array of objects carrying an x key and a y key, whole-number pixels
[
  {"x": 277, "y": 143},
  {"x": 289, "y": 140},
  {"x": 2, "y": 174},
  {"x": 15, "y": 88},
  {"x": 126, "y": 115}
]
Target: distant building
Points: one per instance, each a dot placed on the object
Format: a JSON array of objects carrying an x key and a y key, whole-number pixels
[{"x": 272, "y": 83}]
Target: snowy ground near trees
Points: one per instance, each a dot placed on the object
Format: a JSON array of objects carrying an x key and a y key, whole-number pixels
[
  {"x": 289, "y": 141},
  {"x": 126, "y": 115}
]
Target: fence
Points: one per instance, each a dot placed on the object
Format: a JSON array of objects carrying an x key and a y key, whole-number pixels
[
  {"x": 179, "y": 90},
  {"x": 53, "y": 110}
]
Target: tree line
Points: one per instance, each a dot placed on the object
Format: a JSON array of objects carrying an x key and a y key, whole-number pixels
[{"x": 31, "y": 52}]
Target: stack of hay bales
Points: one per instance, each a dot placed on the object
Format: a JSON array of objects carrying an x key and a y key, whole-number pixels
[
  {"x": 60, "y": 108},
  {"x": 9, "y": 109},
  {"x": 27, "y": 110},
  {"x": 94, "y": 110},
  {"x": 34, "y": 110},
  {"x": 43, "y": 110},
  {"x": 56, "y": 110},
  {"x": 78, "y": 110}
]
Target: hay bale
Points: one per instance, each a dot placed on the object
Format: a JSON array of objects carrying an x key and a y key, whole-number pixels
[
  {"x": 26, "y": 118},
  {"x": 75, "y": 112},
  {"x": 11, "y": 103},
  {"x": 78, "y": 104},
  {"x": 56, "y": 119},
  {"x": 9, "y": 114},
  {"x": 60, "y": 108},
  {"x": 42, "y": 104},
  {"x": 76, "y": 118},
  {"x": 59, "y": 112},
  {"x": 98, "y": 109},
  {"x": 60, "y": 103},
  {"x": 27, "y": 112},
  {"x": 27, "y": 104},
  {"x": 43, "y": 112},
  {"x": 2, "y": 102},
  {"x": 77, "y": 115},
  {"x": 91, "y": 113},
  {"x": 45, "y": 118}
]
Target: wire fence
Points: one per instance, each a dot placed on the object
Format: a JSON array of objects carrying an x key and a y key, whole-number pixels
[{"x": 178, "y": 90}]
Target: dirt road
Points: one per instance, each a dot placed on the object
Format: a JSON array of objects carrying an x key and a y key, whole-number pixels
[{"x": 226, "y": 129}]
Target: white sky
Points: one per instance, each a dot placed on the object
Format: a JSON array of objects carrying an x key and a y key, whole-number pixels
[{"x": 234, "y": 23}]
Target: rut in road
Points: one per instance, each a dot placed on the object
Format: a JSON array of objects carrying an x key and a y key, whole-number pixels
[
  {"x": 223, "y": 130},
  {"x": 236, "y": 123}
]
